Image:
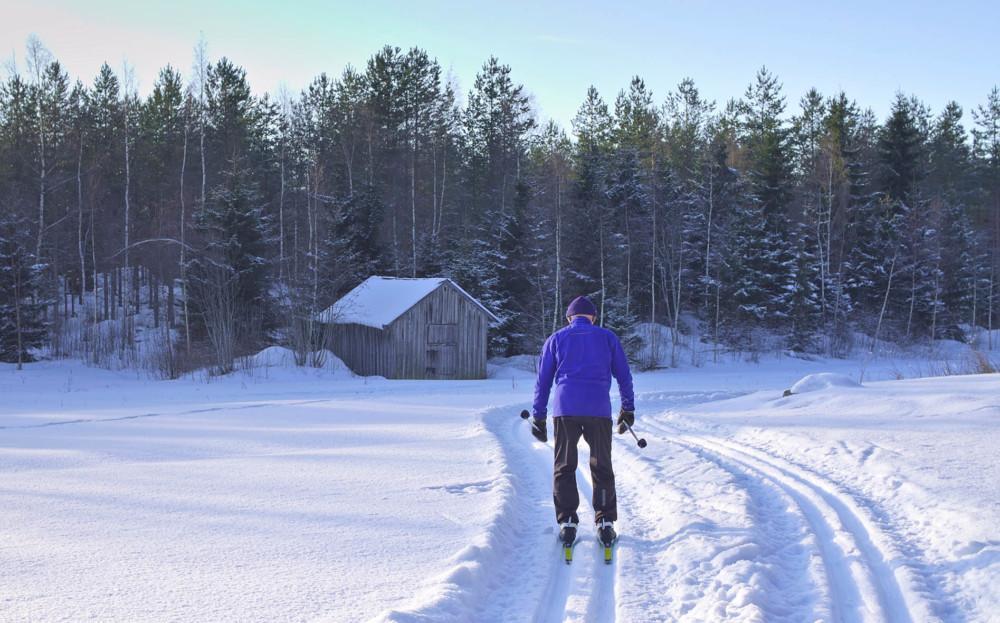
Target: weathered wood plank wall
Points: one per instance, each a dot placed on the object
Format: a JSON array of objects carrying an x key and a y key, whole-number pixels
[{"x": 442, "y": 336}]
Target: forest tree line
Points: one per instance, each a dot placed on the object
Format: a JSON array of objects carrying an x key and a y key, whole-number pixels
[{"x": 233, "y": 218}]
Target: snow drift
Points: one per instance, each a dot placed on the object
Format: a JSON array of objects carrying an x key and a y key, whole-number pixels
[{"x": 822, "y": 381}]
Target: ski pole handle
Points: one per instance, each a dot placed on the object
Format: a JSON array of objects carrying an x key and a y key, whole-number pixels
[{"x": 640, "y": 442}]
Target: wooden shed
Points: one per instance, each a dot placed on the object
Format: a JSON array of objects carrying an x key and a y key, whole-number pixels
[{"x": 409, "y": 329}]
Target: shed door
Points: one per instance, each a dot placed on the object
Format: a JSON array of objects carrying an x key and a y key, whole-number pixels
[{"x": 442, "y": 350}]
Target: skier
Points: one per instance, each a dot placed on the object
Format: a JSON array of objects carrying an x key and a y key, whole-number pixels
[{"x": 581, "y": 358}]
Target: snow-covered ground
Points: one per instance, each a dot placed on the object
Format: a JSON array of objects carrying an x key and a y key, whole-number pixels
[{"x": 301, "y": 495}]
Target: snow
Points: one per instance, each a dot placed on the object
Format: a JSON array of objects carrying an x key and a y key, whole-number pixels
[
  {"x": 281, "y": 357},
  {"x": 378, "y": 301},
  {"x": 516, "y": 367},
  {"x": 822, "y": 381},
  {"x": 309, "y": 494}
]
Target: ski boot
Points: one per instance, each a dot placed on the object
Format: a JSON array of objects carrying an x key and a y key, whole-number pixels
[
  {"x": 607, "y": 536},
  {"x": 567, "y": 535}
]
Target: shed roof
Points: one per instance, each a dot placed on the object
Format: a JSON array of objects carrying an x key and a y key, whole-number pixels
[{"x": 378, "y": 301}]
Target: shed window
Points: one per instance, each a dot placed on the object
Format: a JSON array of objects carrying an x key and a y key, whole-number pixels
[{"x": 442, "y": 334}]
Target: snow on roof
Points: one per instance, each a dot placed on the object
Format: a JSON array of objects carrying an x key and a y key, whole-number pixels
[{"x": 378, "y": 301}]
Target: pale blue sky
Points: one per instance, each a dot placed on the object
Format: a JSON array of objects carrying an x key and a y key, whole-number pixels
[{"x": 936, "y": 50}]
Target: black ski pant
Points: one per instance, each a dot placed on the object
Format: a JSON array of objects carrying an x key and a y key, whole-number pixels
[{"x": 596, "y": 431}]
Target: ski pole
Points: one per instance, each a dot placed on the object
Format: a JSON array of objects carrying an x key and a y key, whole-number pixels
[{"x": 640, "y": 442}]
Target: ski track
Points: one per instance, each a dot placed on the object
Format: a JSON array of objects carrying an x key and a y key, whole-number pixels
[
  {"x": 780, "y": 546},
  {"x": 916, "y": 573},
  {"x": 599, "y": 577},
  {"x": 767, "y": 572},
  {"x": 585, "y": 589},
  {"x": 515, "y": 570},
  {"x": 893, "y": 574},
  {"x": 863, "y": 567},
  {"x": 813, "y": 550}
]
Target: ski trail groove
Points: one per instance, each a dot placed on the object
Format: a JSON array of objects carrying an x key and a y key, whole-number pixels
[
  {"x": 878, "y": 548},
  {"x": 774, "y": 566},
  {"x": 850, "y": 554},
  {"x": 775, "y": 534},
  {"x": 585, "y": 589},
  {"x": 601, "y": 603},
  {"x": 548, "y": 610},
  {"x": 851, "y": 593},
  {"x": 914, "y": 575}
]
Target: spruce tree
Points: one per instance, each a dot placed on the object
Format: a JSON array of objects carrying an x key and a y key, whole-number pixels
[
  {"x": 948, "y": 183},
  {"x": 764, "y": 139},
  {"x": 805, "y": 309},
  {"x": 497, "y": 121},
  {"x": 22, "y": 325},
  {"x": 585, "y": 224},
  {"x": 901, "y": 151},
  {"x": 986, "y": 146},
  {"x": 746, "y": 265},
  {"x": 230, "y": 274},
  {"x": 353, "y": 250},
  {"x": 513, "y": 272}
]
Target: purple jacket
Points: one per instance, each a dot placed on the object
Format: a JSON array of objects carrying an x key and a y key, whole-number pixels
[{"x": 581, "y": 359}]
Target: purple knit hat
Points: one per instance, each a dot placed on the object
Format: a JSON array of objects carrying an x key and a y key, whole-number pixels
[{"x": 581, "y": 305}]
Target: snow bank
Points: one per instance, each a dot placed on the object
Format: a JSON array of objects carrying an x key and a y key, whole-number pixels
[
  {"x": 822, "y": 381},
  {"x": 274, "y": 356},
  {"x": 282, "y": 357}
]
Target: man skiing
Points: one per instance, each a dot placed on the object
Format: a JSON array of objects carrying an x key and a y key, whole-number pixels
[{"x": 581, "y": 358}]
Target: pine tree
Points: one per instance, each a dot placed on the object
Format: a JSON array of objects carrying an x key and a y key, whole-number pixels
[
  {"x": 18, "y": 121},
  {"x": 686, "y": 188},
  {"x": 816, "y": 157},
  {"x": 949, "y": 158},
  {"x": 764, "y": 138},
  {"x": 805, "y": 309},
  {"x": 230, "y": 273},
  {"x": 986, "y": 146},
  {"x": 961, "y": 265},
  {"x": 552, "y": 159},
  {"x": 233, "y": 117},
  {"x": 354, "y": 251},
  {"x": 158, "y": 158},
  {"x": 862, "y": 252},
  {"x": 723, "y": 195},
  {"x": 627, "y": 198},
  {"x": 513, "y": 272},
  {"x": 22, "y": 325},
  {"x": 636, "y": 133},
  {"x": 585, "y": 227},
  {"x": 497, "y": 121},
  {"x": 903, "y": 169},
  {"x": 745, "y": 269},
  {"x": 957, "y": 259},
  {"x": 104, "y": 161},
  {"x": 901, "y": 151}
]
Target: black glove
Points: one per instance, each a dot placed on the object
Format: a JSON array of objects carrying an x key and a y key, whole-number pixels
[
  {"x": 538, "y": 430},
  {"x": 623, "y": 417}
]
